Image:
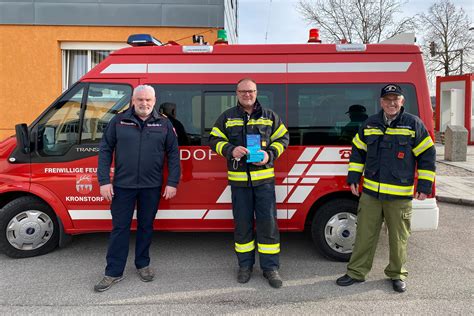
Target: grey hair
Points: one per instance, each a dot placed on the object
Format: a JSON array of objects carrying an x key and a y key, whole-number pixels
[{"x": 143, "y": 87}]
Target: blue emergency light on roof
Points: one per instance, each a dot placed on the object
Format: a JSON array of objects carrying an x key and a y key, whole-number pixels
[{"x": 143, "y": 40}]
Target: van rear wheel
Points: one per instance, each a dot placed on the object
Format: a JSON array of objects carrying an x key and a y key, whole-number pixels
[
  {"x": 28, "y": 228},
  {"x": 333, "y": 229}
]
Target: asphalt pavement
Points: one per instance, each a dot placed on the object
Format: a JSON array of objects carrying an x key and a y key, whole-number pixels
[{"x": 196, "y": 275}]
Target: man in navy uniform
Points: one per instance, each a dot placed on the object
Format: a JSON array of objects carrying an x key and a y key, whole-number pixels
[
  {"x": 138, "y": 140},
  {"x": 388, "y": 148},
  {"x": 252, "y": 183}
]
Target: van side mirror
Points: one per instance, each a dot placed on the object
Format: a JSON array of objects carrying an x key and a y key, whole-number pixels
[{"x": 22, "y": 138}]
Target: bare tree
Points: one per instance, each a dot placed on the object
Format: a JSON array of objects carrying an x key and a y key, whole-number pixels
[
  {"x": 366, "y": 21},
  {"x": 448, "y": 28}
]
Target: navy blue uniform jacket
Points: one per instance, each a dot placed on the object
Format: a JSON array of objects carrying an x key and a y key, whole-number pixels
[{"x": 139, "y": 150}]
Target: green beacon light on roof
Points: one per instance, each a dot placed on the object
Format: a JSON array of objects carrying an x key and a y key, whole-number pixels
[{"x": 221, "y": 37}]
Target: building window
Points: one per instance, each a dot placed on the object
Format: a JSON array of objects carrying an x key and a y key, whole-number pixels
[{"x": 78, "y": 58}]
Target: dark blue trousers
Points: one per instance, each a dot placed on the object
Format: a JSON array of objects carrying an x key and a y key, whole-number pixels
[
  {"x": 122, "y": 209},
  {"x": 250, "y": 204}
]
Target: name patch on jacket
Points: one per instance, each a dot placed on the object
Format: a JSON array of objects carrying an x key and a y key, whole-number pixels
[
  {"x": 127, "y": 123},
  {"x": 154, "y": 124}
]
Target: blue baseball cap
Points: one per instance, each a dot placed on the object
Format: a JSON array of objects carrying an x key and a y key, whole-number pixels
[{"x": 391, "y": 89}]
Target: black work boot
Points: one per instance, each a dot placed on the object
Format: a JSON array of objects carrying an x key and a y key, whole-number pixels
[
  {"x": 346, "y": 280},
  {"x": 399, "y": 286},
  {"x": 244, "y": 274},
  {"x": 274, "y": 278}
]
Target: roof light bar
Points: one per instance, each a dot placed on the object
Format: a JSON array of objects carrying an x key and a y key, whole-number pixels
[{"x": 143, "y": 40}]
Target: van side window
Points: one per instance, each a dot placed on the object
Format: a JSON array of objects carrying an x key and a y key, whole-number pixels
[
  {"x": 58, "y": 129},
  {"x": 199, "y": 106},
  {"x": 187, "y": 100},
  {"x": 330, "y": 114},
  {"x": 103, "y": 102}
]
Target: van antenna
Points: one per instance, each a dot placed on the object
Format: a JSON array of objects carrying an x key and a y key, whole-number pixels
[{"x": 268, "y": 20}]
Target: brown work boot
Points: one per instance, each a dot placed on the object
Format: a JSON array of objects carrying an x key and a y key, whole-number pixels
[
  {"x": 146, "y": 274},
  {"x": 106, "y": 283}
]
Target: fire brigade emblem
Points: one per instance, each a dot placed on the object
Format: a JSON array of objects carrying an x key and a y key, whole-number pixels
[
  {"x": 84, "y": 183},
  {"x": 390, "y": 88}
]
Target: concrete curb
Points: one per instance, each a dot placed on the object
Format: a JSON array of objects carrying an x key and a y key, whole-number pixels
[
  {"x": 455, "y": 200},
  {"x": 455, "y": 165}
]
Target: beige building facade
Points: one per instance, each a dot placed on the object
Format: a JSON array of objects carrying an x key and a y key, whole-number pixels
[{"x": 44, "y": 48}]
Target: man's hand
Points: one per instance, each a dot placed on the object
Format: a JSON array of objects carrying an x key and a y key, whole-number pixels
[
  {"x": 239, "y": 152},
  {"x": 169, "y": 192},
  {"x": 355, "y": 189},
  {"x": 107, "y": 191},
  {"x": 265, "y": 159},
  {"x": 420, "y": 196}
]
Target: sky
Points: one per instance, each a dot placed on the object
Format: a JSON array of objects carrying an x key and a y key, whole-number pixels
[{"x": 277, "y": 21}]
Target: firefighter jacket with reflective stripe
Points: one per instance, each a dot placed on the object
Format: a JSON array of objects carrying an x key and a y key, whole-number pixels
[
  {"x": 139, "y": 150},
  {"x": 231, "y": 130},
  {"x": 388, "y": 156}
]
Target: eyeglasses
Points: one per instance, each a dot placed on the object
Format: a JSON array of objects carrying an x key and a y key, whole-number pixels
[
  {"x": 391, "y": 100},
  {"x": 246, "y": 91}
]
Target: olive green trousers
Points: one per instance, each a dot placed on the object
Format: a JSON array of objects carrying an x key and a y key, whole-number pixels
[{"x": 371, "y": 213}]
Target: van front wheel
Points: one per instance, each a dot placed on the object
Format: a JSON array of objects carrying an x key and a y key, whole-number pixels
[
  {"x": 28, "y": 228},
  {"x": 333, "y": 229}
]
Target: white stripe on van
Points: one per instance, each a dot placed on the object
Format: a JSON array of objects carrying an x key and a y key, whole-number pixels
[
  {"x": 300, "y": 194},
  {"x": 169, "y": 214},
  {"x": 227, "y": 214},
  {"x": 297, "y": 169},
  {"x": 125, "y": 69},
  {"x": 281, "y": 191},
  {"x": 217, "y": 68},
  {"x": 161, "y": 214},
  {"x": 260, "y": 68},
  {"x": 180, "y": 214},
  {"x": 349, "y": 67},
  {"x": 308, "y": 154},
  {"x": 333, "y": 154},
  {"x": 328, "y": 170}
]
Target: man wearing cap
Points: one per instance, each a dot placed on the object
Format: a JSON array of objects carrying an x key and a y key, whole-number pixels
[
  {"x": 388, "y": 147},
  {"x": 357, "y": 115}
]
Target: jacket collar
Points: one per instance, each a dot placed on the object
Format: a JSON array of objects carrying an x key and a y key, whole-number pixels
[
  {"x": 395, "y": 120},
  {"x": 257, "y": 108},
  {"x": 130, "y": 114}
]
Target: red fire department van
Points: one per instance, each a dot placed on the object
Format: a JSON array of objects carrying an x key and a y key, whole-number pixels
[{"x": 48, "y": 185}]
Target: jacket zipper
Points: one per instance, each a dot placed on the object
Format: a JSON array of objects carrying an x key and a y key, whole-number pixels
[
  {"x": 246, "y": 118},
  {"x": 142, "y": 127}
]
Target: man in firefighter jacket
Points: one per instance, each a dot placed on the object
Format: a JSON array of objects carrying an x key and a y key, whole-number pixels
[
  {"x": 138, "y": 140},
  {"x": 252, "y": 184},
  {"x": 388, "y": 148}
]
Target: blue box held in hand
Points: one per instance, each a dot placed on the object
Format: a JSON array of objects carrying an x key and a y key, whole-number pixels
[{"x": 253, "y": 145}]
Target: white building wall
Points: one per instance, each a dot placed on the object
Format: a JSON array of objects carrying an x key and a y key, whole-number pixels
[
  {"x": 230, "y": 20},
  {"x": 452, "y": 103}
]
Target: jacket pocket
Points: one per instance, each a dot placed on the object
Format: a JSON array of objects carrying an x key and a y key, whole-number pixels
[
  {"x": 371, "y": 163},
  {"x": 236, "y": 135},
  {"x": 404, "y": 157},
  {"x": 405, "y": 177}
]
